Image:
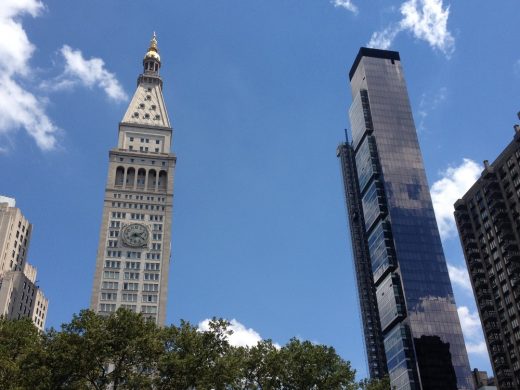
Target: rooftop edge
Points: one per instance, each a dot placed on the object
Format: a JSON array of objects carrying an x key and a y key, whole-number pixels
[{"x": 374, "y": 53}]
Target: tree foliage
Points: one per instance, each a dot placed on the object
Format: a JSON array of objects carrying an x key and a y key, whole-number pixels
[
  {"x": 124, "y": 351},
  {"x": 375, "y": 384}
]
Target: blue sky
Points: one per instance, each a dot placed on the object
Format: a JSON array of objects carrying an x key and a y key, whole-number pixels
[{"x": 257, "y": 92}]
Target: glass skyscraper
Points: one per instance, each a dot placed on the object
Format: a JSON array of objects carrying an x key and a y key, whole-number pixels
[{"x": 398, "y": 255}]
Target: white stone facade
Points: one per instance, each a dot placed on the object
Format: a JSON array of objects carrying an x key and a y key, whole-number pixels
[
  {"x": 133, "y": 255},
  {"x": 19, "y": 295},
  {"x": 15, "y": 234}
]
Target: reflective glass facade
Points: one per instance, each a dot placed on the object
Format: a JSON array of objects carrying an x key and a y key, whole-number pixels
[{"x": 418, "y": 318}]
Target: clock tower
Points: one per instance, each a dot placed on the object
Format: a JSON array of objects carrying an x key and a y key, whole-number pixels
[{"x": 133, "y": 255}]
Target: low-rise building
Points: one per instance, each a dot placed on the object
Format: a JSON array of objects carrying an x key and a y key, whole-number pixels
[
  {"x": 482, "y": 381},
  {"x": 20, "y": 296}
]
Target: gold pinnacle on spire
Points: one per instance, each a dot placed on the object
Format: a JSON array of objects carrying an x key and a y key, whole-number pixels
[
  {"x": 153, "y": 51},
  {"x": 153, "y": 42}
]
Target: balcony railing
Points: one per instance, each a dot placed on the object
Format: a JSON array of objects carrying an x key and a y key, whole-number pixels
[{"x": 490, "y": 315}]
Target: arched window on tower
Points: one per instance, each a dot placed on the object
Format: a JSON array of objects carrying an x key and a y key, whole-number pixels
[
  {"x": 120, "y": 176},
  {"x": 130, "y": 177},
  {"x": 141, "y": 177},
  {"x": 163, "y": 179},
  {"x": 152, "y": 179}
]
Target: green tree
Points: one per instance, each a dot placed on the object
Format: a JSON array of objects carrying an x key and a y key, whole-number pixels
[
  {"x": 307, "y": 366},
  {"x": 375, "y": 384},
  {"x": 194, "y": 359},
  {"x": 97, "y": 352},
  {"x": 20, "y": 347},
  {"x": 124, "y": 351},
  {"x": 261, "y": 366}
]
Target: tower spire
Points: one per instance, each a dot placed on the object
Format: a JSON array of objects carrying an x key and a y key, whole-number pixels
[
  {"x": 147, "y": 106},
  {"x": 152, "y": 59}
]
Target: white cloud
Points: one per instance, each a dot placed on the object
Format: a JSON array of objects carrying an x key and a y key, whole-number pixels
[
  {"x": 20, "y": 108},
  {"x": 384, "y": 39},
  {"x": 469, "y": 322},
  {"x": 428, "y": 104},
  {"x": 347, "y": 4},
  {"x": 15, "y": 48},
  {"x": 89, "y": 73},
  {"x": 460, "y": 277},
  {"x": 241, "y": 337},
  {"x": 429, "y": 22},
  {"x": 10, "y": 201},
  {"x": 517, "y": 68},
  {"x": 424, "y": 19},
  {"x": 472, "y": 330},
  {"x": 454, "y": 183},
  {"x": 479, "y": 348}
]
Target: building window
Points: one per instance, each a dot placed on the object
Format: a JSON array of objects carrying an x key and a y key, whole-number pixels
[
  {"x": 107, "y": 307},
  {"x": 108, "y": 296},
  {"x": 113, "y": 253},
  {"x": 129, "y": 286},
  {"x": 149, "y": 309},
  {"x": 111, "y": 274},
  {"x": 150, "y": 298},
  {"x": 151, "y": 287},
  {"x": 131, "y": 275},
  {"x": 132, "y": 265},
  {"x": 112, "y": 264},
  {"x": 110, "y": 285},
  {"x": 152, "y": 266},
  {"x": 129, "y": 297}
]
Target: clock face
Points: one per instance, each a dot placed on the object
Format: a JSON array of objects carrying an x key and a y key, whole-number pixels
[{"x": 135, "y": 235}]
